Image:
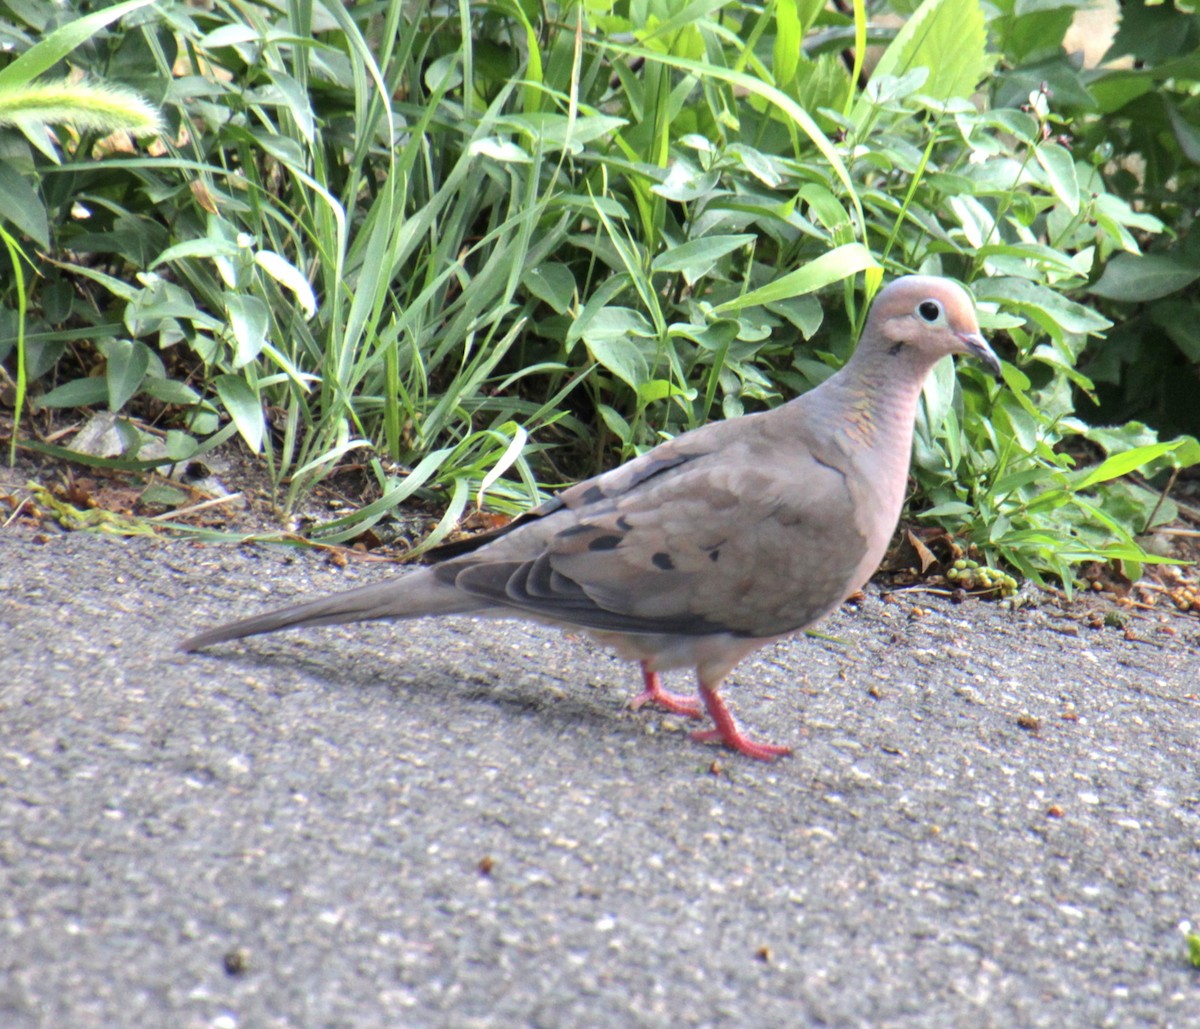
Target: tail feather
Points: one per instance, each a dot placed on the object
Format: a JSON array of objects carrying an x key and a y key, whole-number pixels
[{"x": 408, "y": 596}]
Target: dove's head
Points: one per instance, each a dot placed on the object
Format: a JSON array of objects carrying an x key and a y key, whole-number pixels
[{"x": 926, "y": 318}]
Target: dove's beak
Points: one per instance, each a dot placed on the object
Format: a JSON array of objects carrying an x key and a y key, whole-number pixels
[{"x": 978, "y": 347}]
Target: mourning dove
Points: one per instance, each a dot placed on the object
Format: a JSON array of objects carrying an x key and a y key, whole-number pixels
[{"x": 713, "y": 544}]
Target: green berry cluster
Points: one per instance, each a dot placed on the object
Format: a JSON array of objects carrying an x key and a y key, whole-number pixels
[{"x": 970, "y": 576}]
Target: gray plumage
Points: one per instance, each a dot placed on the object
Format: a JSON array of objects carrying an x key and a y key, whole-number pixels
[{"x": 714, "y": 543}]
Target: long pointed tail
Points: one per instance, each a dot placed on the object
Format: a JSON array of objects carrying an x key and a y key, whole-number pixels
[{"x": 406, "y": 596}]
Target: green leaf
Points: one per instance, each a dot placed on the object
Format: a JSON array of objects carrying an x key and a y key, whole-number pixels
[
  {"x": 825, "y": 207},
  {"x": 89, "y": 392},
  {"x": 180, "y": 445},
  {"x": 595, "y": 306},
  {"x": 550, "y": 131},
  {"x": 244, "y": 407},
  {"x": 789, "y": 35},
  {"x": 1186, "y": 134},
  {"x": 1041, "y": 257},
  {"x": 511, "y": 452},
  {"x": 158, "y": 302},
  {"x": 617, "y": 425},
  {"x": 1116, "y": 89},
  {"x": 977, "y": 222},
  {"x": 284, "y": 149},
  {"x": 21, "y": 205},
  {"x": 1054, "y": 73},
  {"x": 503, "y": 150},
  {"x": 1132, "y": 278},
  {"x": 1151, "y": 32},
  {"x": 685, "y": 182},
  {"x": 49, "y": 51},
  {"x": 613, "y": 322},
  {"x": 161, "y": 495},
  {"x": 1122, "y": 464},
  {"x": 249, "y": 319},
  {"x": 756, "y": 87},
  {"x": 938, "y": 392},
  {"x": 714, "y": 337},
  {"x": 288, "y": 276},
  {"x": 125, "y": 367},
  {"x": 805, "y": 313},
  {"x": 445, "y": 73},
  {"x": 888, "y": 90},
  {"x": 1116, "y": 209},
  {"x": 170, "y": 391},
  {"x": 229, "y": 35},
  {"x": 661, "y": 389},
  {"x": 607, "y": 337},
  {"x": 948, "y": 37},
  {"x": 553, "y": 283},
  {"x": 756, "y": 163},
  {"x": 823, "y": 83},
  {"x": 833, "y": 266},
  {"x": 1188, "y": 453},
  {"x": 950, "y": 509},
  {"x": 1121, "y": 438},
  {"x": 1030, "y": 35},
  {"x": 295, "y": 98},
  {"x": 211, "y": 247},
  {"x": 1048, "y": 308},
  {"x": 1058, "y": 164},
  {"x": 621, "y": 356},
  {"x": 696, "y": 257}
]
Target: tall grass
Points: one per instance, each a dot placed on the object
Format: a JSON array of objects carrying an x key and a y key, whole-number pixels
[{"x": 486, "y": 248}]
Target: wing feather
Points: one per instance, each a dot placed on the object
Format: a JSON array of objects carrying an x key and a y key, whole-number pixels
[{"x": 695, "y": 542}]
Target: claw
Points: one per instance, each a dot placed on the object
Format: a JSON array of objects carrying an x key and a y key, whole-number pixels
[
  {"x": 726, "y": 730},
  {"x": 654, "y": 694}
]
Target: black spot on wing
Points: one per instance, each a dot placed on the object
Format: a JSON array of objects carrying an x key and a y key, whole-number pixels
[
  {"x": 591, "y": 495},
  {"x": 714, "y": 554},
  {"x": 575, "y": 530},
  {"x": 605, "y": 543},
  {"x": 662, "y": 560}
]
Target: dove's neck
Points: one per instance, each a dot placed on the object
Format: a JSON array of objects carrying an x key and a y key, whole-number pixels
[
  {"x": 877, "y": 396},
  {"x": 871, "y": 405}
]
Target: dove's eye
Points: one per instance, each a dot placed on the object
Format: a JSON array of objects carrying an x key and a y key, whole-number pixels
[{"x": 930, "y": 310}]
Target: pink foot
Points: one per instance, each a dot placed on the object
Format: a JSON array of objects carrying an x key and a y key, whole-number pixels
[
  {"x": 654, "y": 694},
  {"x": 726, "y": 731}
]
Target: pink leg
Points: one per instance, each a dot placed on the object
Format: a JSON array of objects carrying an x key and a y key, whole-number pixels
[
  {"x": 656, "y": 695},
  {"x": 727, "y": 731}
]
